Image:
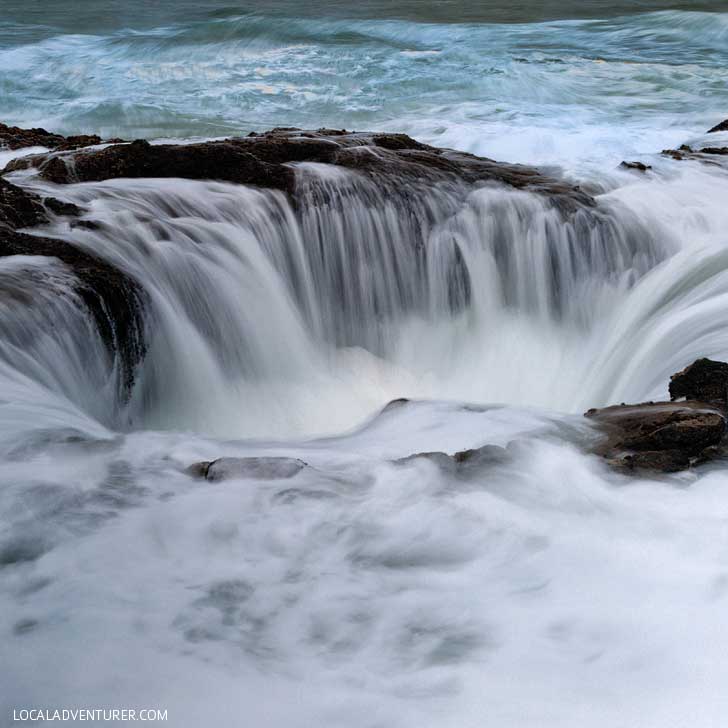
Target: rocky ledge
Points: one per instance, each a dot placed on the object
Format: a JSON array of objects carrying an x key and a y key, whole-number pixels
[
  {"x": 708, "y": 155},
  {"x": 13, "y": 137},
  {"x": 265, "y": 160},
  {"x": 669, "y": 436}
]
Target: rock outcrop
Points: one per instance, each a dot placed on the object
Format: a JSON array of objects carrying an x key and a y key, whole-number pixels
[
  {"x": 723, "y": 126},
  {"x": 669, "y": 436},
  {"x": 265, "y": 160},
  {"x": 704, "y": 154},
  {"x": 13, "y": 137},
  {"x": 704, "y": 380},
  {"x": 636, "y": 166}
]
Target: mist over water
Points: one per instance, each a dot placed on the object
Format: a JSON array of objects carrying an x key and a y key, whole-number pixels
[{"x": 539, "y": 590}]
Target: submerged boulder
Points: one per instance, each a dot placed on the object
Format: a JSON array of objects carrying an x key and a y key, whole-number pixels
[
  {"x": 668, "y": 436},
  {"x": 254, "y": 468},
  {"x": 464, "y": 462}
]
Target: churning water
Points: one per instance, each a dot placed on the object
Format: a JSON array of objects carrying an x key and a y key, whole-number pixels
[{"x": 541, "y": 590}]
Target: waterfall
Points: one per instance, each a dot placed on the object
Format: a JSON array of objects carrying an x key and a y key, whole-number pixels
[{"x": 266, "y": 311}]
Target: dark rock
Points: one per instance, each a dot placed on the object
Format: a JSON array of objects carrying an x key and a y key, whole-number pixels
[
  {"x": 264, "y": 160},
  {"x": 256, "y": 468},
  {"x": 704, "y": 380},
  {"x": 661, "y": 436},
  {"x": 686, "y": 152},
  {"x": 639, "y": 166},
  {"x": 18, "y": 208},
  {"x": 62, "y": 208},
  {"x": 114, "y": 300},
  {"x": 464, "y": 462},
  {"x": 13, "y": 137},
  {"x": 723, "y": 126}
]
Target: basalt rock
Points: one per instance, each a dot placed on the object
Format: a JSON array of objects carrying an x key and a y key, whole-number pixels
[
  {"x": 723, "y": 126},
  {"x": 704, "y": 154},
  {"x": 13, "y": 137},
  {"x": 463, "y": 463},
  {"x": 114, "y": 300},
  {"x": 251, "y": 468},
  {"x": 668, "y": 436},
  {"x": 705, "y": 380},
  {"x": 637, "y": 166},
  {"x": 265, "y": 160}
]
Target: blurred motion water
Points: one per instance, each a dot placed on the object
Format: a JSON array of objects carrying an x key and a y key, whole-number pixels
[{"x": 540, "y": 589}]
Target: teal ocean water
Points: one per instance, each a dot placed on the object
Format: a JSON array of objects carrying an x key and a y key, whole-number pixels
[{"x": 541, "y": 82}]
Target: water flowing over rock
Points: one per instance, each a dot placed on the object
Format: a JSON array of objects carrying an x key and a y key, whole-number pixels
[
  {"x": 264, "y": 160},
  {"x": 113, "y": 299},
  {"x": 669, "y": 436},
  {"x": 306, "y": 243},
  {"x": 257, "y": 468}
]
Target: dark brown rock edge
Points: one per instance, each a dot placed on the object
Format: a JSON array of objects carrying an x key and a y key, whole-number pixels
[
  {"x": 705, "y": 154},
  {"x": 723, "y": 126},
  {"x": 669, "y": 436},
  {"x": 264, "y": 160},
  {"x": 114, "y": 300},
  {"x": 13, "y": 137}
]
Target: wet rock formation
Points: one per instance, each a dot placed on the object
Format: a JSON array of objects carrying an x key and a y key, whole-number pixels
[
  {"x": 257, "y": 468},
  {"x": 704, "y": 380},
  {"x": 723, "y": 126},
  {"x": 264, "y": 160},
  {"x": 13, "y": 137},
  {"x": 637, "y": 166},
  {"x": 463, "y": 463},
  {"x": 705, "y": 154},
  {"x": 669, "y": 436}
]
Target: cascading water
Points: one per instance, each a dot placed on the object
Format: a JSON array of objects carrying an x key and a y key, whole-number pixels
[
  {"x": 542, "y": 589},
  {"x": 433, "y": 291}
]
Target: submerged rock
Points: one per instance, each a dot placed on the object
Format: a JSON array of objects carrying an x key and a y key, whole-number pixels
[
  {"x": 256, "y": 468},
  {"x": 668, "y": 436},
  {"x": 464, "y": 462}
]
